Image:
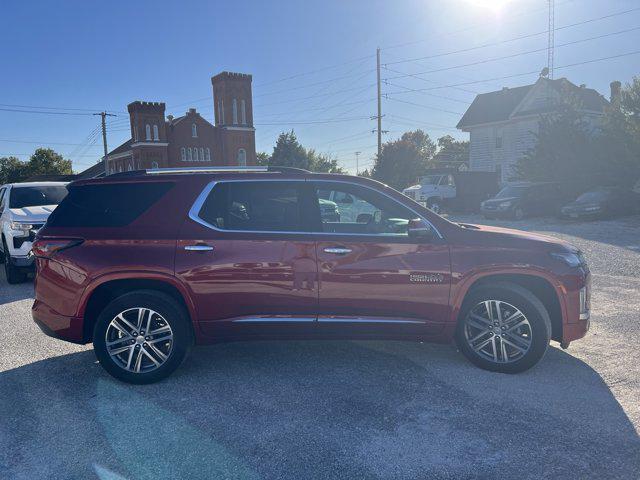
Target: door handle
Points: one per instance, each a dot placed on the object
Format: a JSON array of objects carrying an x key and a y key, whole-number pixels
[
  {"x": 198, "y": 248},
  {"x": 337, "y": 250}
]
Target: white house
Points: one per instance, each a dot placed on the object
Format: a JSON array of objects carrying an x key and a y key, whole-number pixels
[{"x": 502, "y": 125}]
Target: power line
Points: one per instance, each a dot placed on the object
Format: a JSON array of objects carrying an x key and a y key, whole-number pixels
[
  {"x": 38, "y": 143},
  {"x": 595, "y": 60},
  {"x": 314, "y": 122},
  {"x": 513, "y": 55},
  {"x": 53, "y": 108},
  {"x": 502, "y": 42}
]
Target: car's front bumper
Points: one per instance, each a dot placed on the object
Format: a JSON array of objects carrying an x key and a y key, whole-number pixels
[
  {"x": 23, "y": 261},
  {"x": 496, "y": 212}
]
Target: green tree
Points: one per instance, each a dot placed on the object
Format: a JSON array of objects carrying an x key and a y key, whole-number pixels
[
  {"x": 402, "y": 161},
  {"x": 581, "y": 153},
  {"x": 12, "y": 170},
  {"x": 451, "y": 152},
  {"x": 288, "y": 152},
  {"x": 45, "y": 161},
  {"x": 263, "y": 159}
]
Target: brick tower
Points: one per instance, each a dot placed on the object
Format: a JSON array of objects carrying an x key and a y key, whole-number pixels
[
  {"x": 148, "y": 134},
  {"x": 233, "y": 111}
]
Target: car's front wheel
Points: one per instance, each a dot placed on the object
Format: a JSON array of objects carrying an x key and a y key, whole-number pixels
[
  {"x": 503, "y": 328},
  {"x": 142, "y": 336},
  {"x": 14, "y": 274}
]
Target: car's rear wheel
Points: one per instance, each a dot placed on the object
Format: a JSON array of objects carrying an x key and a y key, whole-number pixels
[
  {"x": 142, "y": 336},
  {"x": 503, "y": 328}
]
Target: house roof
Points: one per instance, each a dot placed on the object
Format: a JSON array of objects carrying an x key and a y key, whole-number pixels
[
  {"x": 500, "y": 105},
  {"x": 125, "y": 147},
  {"x": 93, "y": 171}
]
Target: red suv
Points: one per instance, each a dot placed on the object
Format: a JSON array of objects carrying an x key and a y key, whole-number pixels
[{"x": 145, "y": 264}]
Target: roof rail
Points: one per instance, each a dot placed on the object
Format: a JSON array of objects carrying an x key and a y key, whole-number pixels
[
  {"x": 161, "y": 171},
  {"x": 165, "y": 171}
]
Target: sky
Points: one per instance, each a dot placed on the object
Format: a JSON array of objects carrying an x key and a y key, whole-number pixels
[{"x": 313, "y": 64}]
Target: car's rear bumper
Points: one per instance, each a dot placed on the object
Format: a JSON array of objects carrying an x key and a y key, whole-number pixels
[
  {"x": 56, "y": 325},
  {"x": 496, "y": 213}
]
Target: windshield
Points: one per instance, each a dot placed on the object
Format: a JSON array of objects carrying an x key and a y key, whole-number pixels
[
  {"x": 512, "y": 191},
  {"x": 593, "y": 196},
  {"x": 36, "y": 196},
  {"x": 430, "y": 180}
]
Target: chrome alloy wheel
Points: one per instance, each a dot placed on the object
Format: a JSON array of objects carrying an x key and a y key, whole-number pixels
[
  {"x": 139, "y": 340},
  {"x": 498, "y": 331}
]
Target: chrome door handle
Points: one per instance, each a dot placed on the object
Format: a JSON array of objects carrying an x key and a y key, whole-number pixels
[
  {"x": 198, "y": 248},
  {"x": 337, "y": 250}
]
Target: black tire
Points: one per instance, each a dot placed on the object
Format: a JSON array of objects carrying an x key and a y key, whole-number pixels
[
  {"x": 528, "y": 304},
  {"x": 14, "y": 274},
  {"x": 172, "y": 313}
]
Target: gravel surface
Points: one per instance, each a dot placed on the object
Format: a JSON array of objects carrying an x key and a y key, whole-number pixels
[{"x": 337, "y": 409}]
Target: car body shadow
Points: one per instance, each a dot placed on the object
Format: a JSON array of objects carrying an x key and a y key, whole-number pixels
[{"x": 315, "y": 409}]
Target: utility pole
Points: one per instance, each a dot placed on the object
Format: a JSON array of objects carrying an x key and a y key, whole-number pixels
[
  {"x": 104, "y": 115},
  {"x": 379, "y": 117},
  {"x": 358, "y": 163},
  {"x": 551, "y": 39}
]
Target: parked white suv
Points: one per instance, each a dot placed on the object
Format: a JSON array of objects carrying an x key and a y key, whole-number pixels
[{"x": 24, "y": 208}]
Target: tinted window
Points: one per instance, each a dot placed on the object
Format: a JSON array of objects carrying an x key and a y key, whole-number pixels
[
  {"x": 512, "y": 191},
  {"x": 363, "y": 211},
  {"x": 254, "y": 206},
  {"x": 106, "y": 205},
  {"x": 21, "y": 197},
  {"x": 2, "y": 190},
  {"x": 594, "y": 196}
]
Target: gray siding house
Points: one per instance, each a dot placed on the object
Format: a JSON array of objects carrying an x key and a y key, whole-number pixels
[{"x": 502, "y": 125}]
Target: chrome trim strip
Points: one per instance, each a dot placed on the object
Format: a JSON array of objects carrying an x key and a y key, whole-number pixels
[
  {"x": 160, "y": 171},
  {"x": 367, "y": 320},
  {"x": 197, "y": 206},
  {"x": 274, "y": 320}
]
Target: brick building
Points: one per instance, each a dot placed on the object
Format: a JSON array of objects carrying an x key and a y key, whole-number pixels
[{"x": 190, "y": 140}]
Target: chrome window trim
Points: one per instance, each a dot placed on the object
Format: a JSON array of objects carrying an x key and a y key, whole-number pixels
[
  {"x": 321, "y": 319},
  {"x": 202, "y": 197}
]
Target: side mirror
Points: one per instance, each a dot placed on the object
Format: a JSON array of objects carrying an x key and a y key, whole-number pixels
[{"x": 420, "y": 230}]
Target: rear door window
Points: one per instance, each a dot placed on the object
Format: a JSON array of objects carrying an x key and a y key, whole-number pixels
[
  {"x": 106, "y": 205},
  {"x": 255, "y": 207}
]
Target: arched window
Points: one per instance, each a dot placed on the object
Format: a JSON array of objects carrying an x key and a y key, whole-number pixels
[
  {"x": 189, "y": 157},
  {"x": 156, "y": 135},
  {"x": 222, "y": 109},
  {"x": 208, "y": 155},
  {"x": 242, "y": 157},
  {"x": 219, "y": 112},
  {"x": 234, "y": 106},
  {"x": 194, "y": 130},
  {"x": 243, "y": 111},
  {"x": 183, "y": 154},
  {"x": 201, "y": 154},
  {"x": 154, "y": 164},
  {"x": 195, "y": 154},
  {"x": 129, "y": 167},
  {"x": 119, "y": 168},
  {"x": 147, "y": 129}
]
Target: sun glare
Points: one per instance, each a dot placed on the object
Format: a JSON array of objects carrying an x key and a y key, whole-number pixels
[{"x": 493, "y": 5}]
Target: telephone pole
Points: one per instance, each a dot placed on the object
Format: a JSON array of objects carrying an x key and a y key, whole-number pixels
[
  {"x": 358, "y": 163},
  {"x": 551, "y": 39},
  {"x": 104, "y": 115},
  {"x": 379, "y": 117}
]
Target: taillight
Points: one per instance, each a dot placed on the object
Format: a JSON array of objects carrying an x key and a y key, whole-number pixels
[{"x": 47, "y": 247}]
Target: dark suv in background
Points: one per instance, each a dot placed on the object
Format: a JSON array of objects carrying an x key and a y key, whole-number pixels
[
  {"x": 145, "y": 264},
  {"x": 520, "y": 200}
]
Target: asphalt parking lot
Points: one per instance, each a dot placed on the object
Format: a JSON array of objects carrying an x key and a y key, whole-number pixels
[{"x": 338, "y": 409}]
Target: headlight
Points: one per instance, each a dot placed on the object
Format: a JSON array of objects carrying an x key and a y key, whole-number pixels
[
  {"x": 572, "y": 259},
  {"x": 504, "y": 205},
  {"x": 594, "y": 208},
  {"x": 23, "y": 227}
]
